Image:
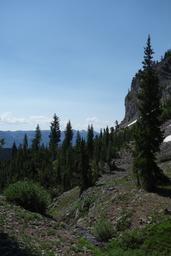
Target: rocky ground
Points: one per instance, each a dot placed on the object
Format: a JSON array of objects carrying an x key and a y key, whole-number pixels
[
  {"x": 38, "y": 235},
  {"x": 114, "y": 197}
]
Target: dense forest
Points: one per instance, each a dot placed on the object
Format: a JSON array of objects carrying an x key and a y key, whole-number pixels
[{"x": 59, "y": 167}]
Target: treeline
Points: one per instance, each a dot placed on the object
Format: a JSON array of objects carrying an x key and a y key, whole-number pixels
[{"x": 61, "y": 166}]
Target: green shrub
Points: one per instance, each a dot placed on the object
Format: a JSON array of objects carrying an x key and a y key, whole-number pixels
[
  {"x": 85, "y": 203},
  {"x": 124, "y": 221},
  {"x": 131, "y": 240},
  {"x": 104, "y": 230},
  {"x": 29, "y": 195}
]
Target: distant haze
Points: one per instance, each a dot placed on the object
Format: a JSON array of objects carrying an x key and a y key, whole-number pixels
[{"x": 17, "y": 136}]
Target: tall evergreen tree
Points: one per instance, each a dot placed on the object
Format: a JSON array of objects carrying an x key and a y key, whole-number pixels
[
  {"x": 148, "y": 135},
  {"x": 90, "y": 141},
  {"x": 2, "y": 142},
  {"x": 37, "y": 139},
  {"x": 78, "y": 139},
  {"x": 54, "y": 136},
  {"x": 14, "y": 149},
  {"x": 25, "y": 143},
  {"x": 67, "y": 162},
  {"x": 85, "y": 181},
  {"x": 68, "y": 136},
  {"x": 107, "y": 136},
  {"x": 116, "y": 125},
  {"x": 77, "y": 153}
]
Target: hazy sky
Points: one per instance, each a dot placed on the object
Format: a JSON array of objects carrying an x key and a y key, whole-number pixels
[{"x": 75, "y": 58}]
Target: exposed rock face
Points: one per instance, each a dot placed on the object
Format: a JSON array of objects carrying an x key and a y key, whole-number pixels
[
  {"x": 165, "y": 153},
  {"x": 163, "y": 69}
]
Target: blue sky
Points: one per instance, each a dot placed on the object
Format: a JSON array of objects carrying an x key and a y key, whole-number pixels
[{"x": 75, "y": 58}]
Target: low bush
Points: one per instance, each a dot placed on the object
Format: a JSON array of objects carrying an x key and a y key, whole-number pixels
[
  {"x": 103, "y": 230},
  {"x": 131, "y": 239},
  {"x": 29, "y": 195},
  {"x": 124, "y": 221},
  {"x": 85, "y": 203}
]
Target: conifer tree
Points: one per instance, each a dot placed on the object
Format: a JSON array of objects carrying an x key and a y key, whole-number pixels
[
  {"x": 101, "y": 134},
  {"x": 54, "y": 136},
  {"x": 56, "y": 166},
  {"x": 97, "y": 148},
  {"x": 68, "y": 136},
  {"x": 148, "y": 135},
  {"x": 14, "y": 149},
  {"x": 37, "y": 139},
  {"x": 78, "y": 139},
  {"x": 2, "y": 142},
  {"x": 90, "y": 141},
  {"x": 85, "y": 181},
  {"x": 67, "y": 162},
  {"x": 25, "y": 143},
  {"x": 77, "y": 153},
  {"x": 107, "y": 136},
  {"x": 116, "y": 125}
]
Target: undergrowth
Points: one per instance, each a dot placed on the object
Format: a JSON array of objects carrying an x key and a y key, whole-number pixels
[
  {"x": 153, "y": 240},
  {"x": 29, "y": 195}
]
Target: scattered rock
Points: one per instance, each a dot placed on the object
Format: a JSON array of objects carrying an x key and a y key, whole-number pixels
[{"x": 86, "y": 234}]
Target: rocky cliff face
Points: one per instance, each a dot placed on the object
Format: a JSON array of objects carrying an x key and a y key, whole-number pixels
[{"x": 163, "y": 69}]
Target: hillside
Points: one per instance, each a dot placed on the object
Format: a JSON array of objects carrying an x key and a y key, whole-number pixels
[
  {"x": 69, "y": 228},
  {"x": 139, "y": 222}
]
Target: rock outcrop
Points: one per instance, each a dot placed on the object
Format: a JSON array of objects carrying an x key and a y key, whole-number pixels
[{"x": 163, "y": 69}]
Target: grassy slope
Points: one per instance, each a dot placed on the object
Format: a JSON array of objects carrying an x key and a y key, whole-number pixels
[{"x": 116, "y": 198}]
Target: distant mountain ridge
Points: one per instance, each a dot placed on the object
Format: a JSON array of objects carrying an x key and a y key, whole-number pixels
[{"x": 17, "y": 136}]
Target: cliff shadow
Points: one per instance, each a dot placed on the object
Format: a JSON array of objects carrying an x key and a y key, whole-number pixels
[
  {"x": 9, "y": 247},
  {"x": 163, "y": 191}
]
